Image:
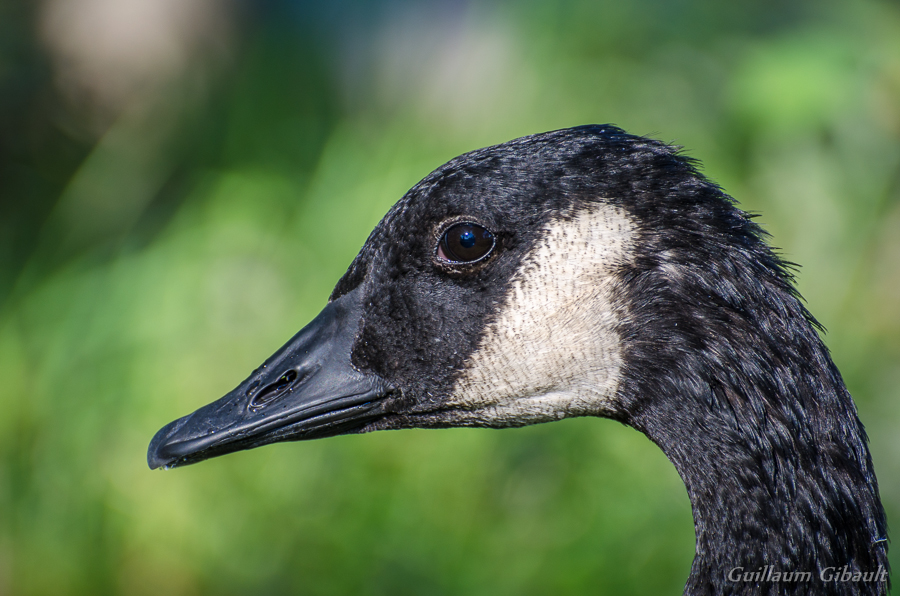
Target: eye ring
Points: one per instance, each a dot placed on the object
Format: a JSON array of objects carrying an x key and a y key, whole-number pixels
[{"x": 464, "y": 243}]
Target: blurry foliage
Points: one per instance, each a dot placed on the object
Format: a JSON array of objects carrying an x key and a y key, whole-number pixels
[{"x": 148, "y": 264}]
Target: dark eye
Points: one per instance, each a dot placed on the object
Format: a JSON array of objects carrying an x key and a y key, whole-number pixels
[{"x": 465, "y": 243}]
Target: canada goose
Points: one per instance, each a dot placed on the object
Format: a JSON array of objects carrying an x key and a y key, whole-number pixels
[{"x": 589, "y": 272}]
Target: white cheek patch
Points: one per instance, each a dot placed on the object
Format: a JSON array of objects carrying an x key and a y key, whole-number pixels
[{"x": 553, "y": 350}]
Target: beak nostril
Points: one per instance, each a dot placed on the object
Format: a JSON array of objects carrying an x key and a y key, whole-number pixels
[{"x": 272, "y": 391}]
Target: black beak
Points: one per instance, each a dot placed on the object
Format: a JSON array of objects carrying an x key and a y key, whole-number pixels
[{"x": 308, "y": 389}]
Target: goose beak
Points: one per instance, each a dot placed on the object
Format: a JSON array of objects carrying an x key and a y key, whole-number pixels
[{"x": 308, "y": 389}]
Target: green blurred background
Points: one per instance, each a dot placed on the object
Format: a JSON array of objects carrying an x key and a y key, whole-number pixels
[{"x": 182, "y": 183}]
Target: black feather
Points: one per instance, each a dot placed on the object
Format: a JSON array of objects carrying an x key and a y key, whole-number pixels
[{"x": 725, "y": 370}]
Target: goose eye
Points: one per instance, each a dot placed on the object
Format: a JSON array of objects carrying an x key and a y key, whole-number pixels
[{"x": 465, "y": 243}]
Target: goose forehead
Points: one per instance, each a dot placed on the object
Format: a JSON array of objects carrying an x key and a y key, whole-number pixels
[{"x": 552, "y": 350}]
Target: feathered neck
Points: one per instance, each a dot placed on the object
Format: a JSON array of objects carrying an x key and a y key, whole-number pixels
[
  {"x": 779, "y": 477},
  {"x": 726, "y": 373}
]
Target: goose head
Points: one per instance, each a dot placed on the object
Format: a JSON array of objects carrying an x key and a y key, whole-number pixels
[
  {"x": 584, "y": 272},
  {"x": 490, "y": 295}
]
